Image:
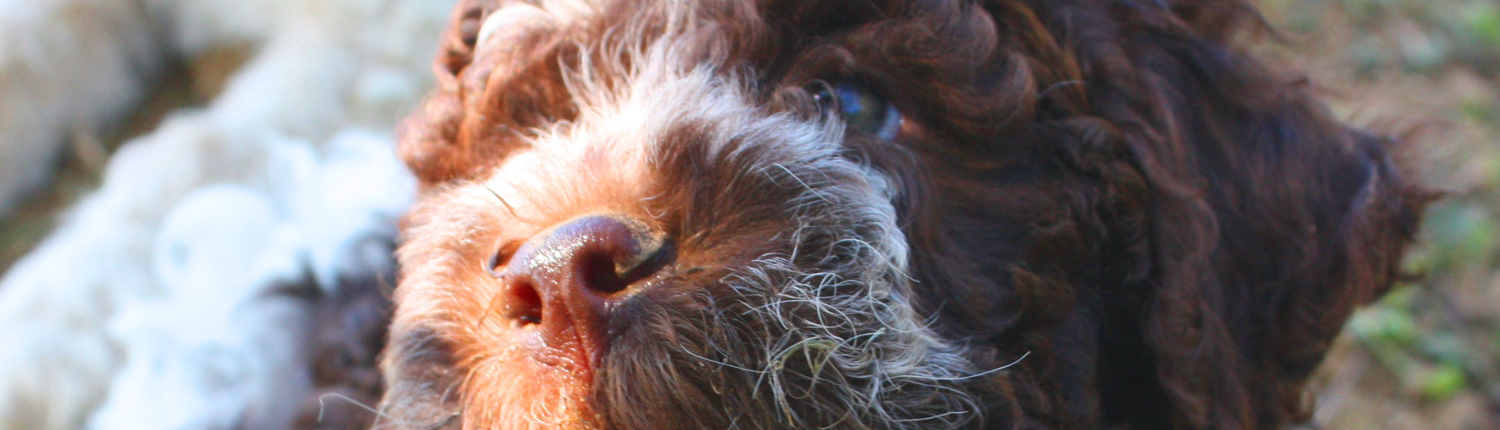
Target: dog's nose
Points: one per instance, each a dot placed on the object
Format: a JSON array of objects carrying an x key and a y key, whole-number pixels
[{"x": 565, "y": 280}]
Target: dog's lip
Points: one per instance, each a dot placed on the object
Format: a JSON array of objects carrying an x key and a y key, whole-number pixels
[
  {"x": 564, "y": 349},
  {"x": 568, "y": 370},
  {"x": 570, "y": 346}
]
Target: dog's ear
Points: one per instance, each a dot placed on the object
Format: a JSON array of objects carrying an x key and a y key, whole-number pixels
[
  {"x": 1361, "y": 214},
  {"x": 498, "y": 72},
  {"x": 1262, "y": 225},
  {"x": 1269, "y": 223},
  {"x": 429, "y": 138},
  {"x": 1295, "y": 224}
]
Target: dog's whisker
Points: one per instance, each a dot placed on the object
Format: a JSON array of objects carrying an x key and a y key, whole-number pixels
[{"x": 502, "y": 201}]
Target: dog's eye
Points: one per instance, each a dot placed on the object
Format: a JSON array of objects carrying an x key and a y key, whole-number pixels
[{"x": 864, "y": 112}]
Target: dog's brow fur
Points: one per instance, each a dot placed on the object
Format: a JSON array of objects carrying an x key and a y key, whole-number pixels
[{"x": 1092, "y": 216}]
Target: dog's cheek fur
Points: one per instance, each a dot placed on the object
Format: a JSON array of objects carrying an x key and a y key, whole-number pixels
[{"x": 810, "y": 327}]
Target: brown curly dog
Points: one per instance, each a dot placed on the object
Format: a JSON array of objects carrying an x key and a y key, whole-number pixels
[{"x": 877, "y": 214}]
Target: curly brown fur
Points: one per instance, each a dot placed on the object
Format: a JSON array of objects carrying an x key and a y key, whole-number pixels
[
  {"x": 1095, "y": 214},
  {"x": 350, "y": 325}
]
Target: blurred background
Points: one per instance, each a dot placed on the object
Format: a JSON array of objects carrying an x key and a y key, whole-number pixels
[{"x": 1426, "y": 356}]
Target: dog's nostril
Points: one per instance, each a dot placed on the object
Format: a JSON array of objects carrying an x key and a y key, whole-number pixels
[
  {"x": 600, "y": 255},
  {"x": 577, "y": 268},
  {"x": 500, "y": 258},
  {"x": 601, "y": 273},
  {"x": 524, "y": 303},
  {"x": 611, "y": 272}
]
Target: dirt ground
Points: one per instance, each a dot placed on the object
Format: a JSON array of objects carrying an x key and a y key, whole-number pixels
[{"x": 1425, "y": 357}]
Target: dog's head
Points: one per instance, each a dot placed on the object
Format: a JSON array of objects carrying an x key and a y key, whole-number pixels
[{"x": 891, "y": 214}]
